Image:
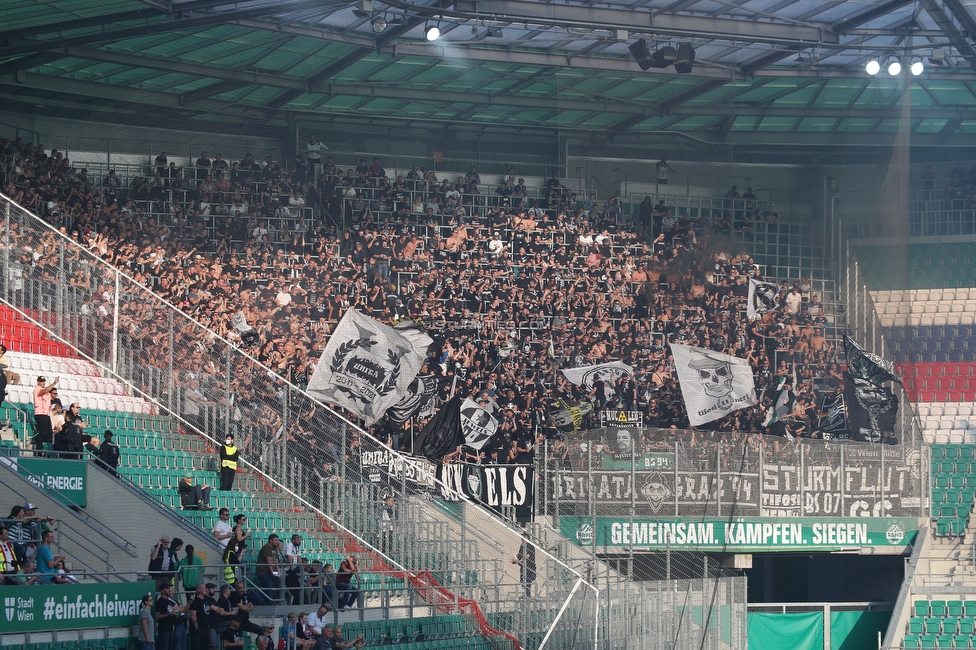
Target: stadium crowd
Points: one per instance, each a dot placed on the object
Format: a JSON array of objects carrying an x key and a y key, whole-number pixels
[{"x": 512, "y": 288}]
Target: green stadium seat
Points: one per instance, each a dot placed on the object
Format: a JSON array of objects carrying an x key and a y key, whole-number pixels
[
  {"x": 965, "y": 626},
  {"x": 969, "y": 608},
  {"x": 954, "y": 608},
  {"x": 938, "y": 608},
  {"x": 933, "y": 624},
  {"x": 916, "y": 623},
  {"x": 943, "y": 641},
  {"x": 926, "y": 641},
  {"x": 911, "y": 641},
  {"x": 950, "y": 625}
]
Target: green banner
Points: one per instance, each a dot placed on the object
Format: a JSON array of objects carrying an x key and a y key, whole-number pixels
[
  {"x": 644, "y": 462},
  {"x": 68, "y": 478},
  {"x": 742, "y": 535},
  {"x": 66, "y": 607},
  {"x": 803, "y": 631}
]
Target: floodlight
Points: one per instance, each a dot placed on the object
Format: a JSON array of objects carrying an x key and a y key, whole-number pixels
[
  {"x": 873, "y": 67},
  {"x": 917, "y": 68},
  {"x": 894, "y": 68},
  {"x": 379, "y": 24},
  {"x": 432, "y": 32}
]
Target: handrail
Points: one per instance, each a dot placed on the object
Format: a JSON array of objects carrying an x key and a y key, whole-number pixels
[
  {"x": 76, "y": 532},
  {"x": 63, "y": 237}
]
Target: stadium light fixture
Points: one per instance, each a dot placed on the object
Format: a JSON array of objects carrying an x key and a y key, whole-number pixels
[
  {"x": 432, "y": 32},
  {"x": 379, "y": 24},
  {"x": 917, "y": 68},
  {"x": 873, "y": 67},
  {"x": 894, "y": 68}
]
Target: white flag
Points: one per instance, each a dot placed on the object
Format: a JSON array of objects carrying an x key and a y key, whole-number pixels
[
  {"x": 712, "y": 384},
  {"x": 366, "y": 367},
  {"x": 762, "y": 298},
  {"x": 584, "y": 376},
  {"x": 477, "y": 424}
]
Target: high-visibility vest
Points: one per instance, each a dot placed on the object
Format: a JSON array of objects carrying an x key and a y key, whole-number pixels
[
  {"x": 231, "y": 452},
  {"x": 7, "y": 557}
]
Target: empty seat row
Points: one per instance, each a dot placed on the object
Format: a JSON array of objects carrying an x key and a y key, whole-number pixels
[
  {"x": 938, "y": 410},
  {"x": 952, "y": 436},
  {"x": 948, "y": 423},
  {"x": 915, "y": 319},
  {"x": 896, "y": 295}
]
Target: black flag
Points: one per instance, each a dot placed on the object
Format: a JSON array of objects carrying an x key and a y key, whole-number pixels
[
  {"x": 871, "y": 409},
  {"x": 867, "y": 365},
  {"x": 833, "y": 421},
  {"x": 442, "y": 435}
]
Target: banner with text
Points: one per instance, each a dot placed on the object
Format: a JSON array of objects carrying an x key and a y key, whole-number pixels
[
  {"x": 742, "y": 535},
  {"x": 653, "y": 473},
  {"x": 67, "y": 478},
  {"x": 495, "y": 486},
  {"x": 379, "y": 464},
  {"x": 68, "y": 607}
]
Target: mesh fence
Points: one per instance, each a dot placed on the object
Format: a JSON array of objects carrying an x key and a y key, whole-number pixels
[
  {"x": 303, "y": 446},
  {"x": 664, "y": 473}
]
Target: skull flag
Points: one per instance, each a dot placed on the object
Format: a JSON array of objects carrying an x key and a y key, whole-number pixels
[{"x": 712, "y": 384}]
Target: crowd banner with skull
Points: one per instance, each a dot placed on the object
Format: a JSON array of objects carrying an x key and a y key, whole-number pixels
[{"x": 712, "y": 384}]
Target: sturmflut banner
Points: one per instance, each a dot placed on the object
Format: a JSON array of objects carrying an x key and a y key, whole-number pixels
[
  {"x": 712, "y": 384},
  {"x": 742, "y": 534}
]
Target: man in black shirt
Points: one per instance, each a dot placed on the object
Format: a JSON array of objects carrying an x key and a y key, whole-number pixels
[
  {"x": 231, "y": 637},
  {"x": 169, "y": 618},
  {"x": 204, "y": 615},
  {"x": 240, "y": 601}
]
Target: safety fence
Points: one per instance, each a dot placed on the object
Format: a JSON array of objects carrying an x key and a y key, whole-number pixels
[{"x": 216, "y": 386}]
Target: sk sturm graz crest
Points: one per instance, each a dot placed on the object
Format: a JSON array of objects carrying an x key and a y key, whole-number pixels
[
  {"x": 762, "y": 297},
  {"x": 477, "y": 424},
  {"x": 712, "y": 384}
]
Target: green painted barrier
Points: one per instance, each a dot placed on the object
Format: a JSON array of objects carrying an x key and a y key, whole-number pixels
[
  {"x": 62, "y": 478},
  {"x": 68, "y": 607},
  {"x": 802, "y": 631}
]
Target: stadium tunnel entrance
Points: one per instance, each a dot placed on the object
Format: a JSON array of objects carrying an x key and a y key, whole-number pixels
[{"x": 778, "y": 577}]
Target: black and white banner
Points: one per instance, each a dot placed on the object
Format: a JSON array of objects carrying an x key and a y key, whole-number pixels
[
  {"x": 586, "y": 376},
  {"x": 494, "y": 486},
  {"x": 367, "y": 366},
  {"x": 385, "y": 466},
  {"x": 762, "y": 298},
  {"x": 712, "y": 384},
  {"x": 419, "y": 396},
  {"x": 477, "y": 424}
]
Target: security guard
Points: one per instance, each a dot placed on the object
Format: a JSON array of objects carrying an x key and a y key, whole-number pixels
[{"x": 228, "y": 463}]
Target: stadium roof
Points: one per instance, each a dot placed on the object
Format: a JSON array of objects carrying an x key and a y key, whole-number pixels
[{"x": 761, "y": 66}]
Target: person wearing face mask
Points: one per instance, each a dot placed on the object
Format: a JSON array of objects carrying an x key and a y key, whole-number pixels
[{"x": 228, "y": 463}]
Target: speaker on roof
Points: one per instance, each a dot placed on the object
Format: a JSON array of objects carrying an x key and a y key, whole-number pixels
[
  {"x": 641, "y": 54},
  {"x": 686, "y": 58},
  {"x": 664, "y": 57}
]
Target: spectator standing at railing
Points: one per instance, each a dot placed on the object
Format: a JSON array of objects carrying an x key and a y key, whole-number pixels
[
  {"x": 240, "y": 600},
  {"x": 268, "y": 570},
  {"x": 170, "y": 620},
  {"x": 204, "y": 618},
  {"x": 189, "y": 570},
  {"x": 313, "y": 154},
  {"x": 348, "y": 594},
  {"x": 663, "y": 168},
  {"x": 229, "y": 456},
  {"x": 8, "y": 557},
  {"x": 42, "y": 411},
  {"x": 109, "y": 453},
  {"x": 147, "y": 625}
]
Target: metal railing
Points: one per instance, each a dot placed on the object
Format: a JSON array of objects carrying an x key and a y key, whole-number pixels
[
  {"x": 167, "y": 357},
  {"x": 861, "y": 316}
]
